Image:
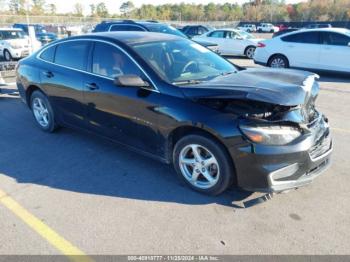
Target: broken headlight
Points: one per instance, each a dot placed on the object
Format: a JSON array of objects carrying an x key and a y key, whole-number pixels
[{"x": 271, "y": 135}]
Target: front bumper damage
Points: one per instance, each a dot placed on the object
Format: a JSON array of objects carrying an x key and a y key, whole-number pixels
[{"x": 274, "y": 169}]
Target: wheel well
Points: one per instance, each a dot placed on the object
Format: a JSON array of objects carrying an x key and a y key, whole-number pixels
[
  {"x": 278, "y": 54},
  {"x": 30, "y": 91},
  {"x": 183, "y": 131}
]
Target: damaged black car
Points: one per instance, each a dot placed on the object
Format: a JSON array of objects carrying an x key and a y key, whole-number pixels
[{"x": 174, "y": 100}]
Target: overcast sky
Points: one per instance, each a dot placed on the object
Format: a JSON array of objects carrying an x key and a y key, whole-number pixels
[{"x": 113, "y": 5}]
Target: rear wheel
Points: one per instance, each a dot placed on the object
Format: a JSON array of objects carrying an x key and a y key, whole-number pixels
[
  {"x": 42, "y": 112},
  {"x": 278, "y": 61},
  {"x": 249, "y": 52},
  {"x": 203, "y": 164},
  {"x": 7, "y": 55}
]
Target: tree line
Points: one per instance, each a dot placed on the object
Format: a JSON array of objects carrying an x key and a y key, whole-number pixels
[{"x": 254, "y": 10}]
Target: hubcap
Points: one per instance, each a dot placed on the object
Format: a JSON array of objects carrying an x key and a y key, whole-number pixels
[
  {"x": 278, "y": 63},
  {"x": 250, "y": 52},
  {"x": 40, "y": 112},
  {"x": 199, "y": 166}
]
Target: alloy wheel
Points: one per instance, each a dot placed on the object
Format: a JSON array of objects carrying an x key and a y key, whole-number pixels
[
  {"x": 199, "y": 166},
  {"x": 278, "y": 63},
  {"x": 41, "y": 112},
  {"x": 250, "y": 52}
]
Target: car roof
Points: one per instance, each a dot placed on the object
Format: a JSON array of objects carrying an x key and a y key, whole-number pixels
[
  {"x": 130, "y": 37},
  {"x": 330, "y": 29}
]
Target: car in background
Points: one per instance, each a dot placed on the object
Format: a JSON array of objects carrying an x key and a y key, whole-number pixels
[
  {"x": 285, "y": 31},
  {"x": 314, "y": 26},
  {"x": 231, "y": 41},
  {"x": 250, "y": 28},
  {"x": 142, "y": 26},
  {"x": 176, "y": 101},
  {"x": 194, "y": 30},
  {"x": 267, "y": 28},
  {"x": 326, "y": 49},
  {"x": 13, "y": 44},
  {"x": 40, "y": 33}
]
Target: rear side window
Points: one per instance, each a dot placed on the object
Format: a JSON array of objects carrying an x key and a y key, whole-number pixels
[
  {"x": 336, "y": 39},
  {"x": 72, "y": 54},
  {"x": 303, "y": 38},
  {"x": 217, "y": 34},
  {"x": 126, "y": 28},
  {"x": 48, "y": 54}
]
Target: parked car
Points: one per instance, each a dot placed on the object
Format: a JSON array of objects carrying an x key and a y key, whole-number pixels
[
  {"x": 285, "y": 31},
  {"x": 151, "y": 26},
  {"x": 40, "y": 32},
  {"x": 194, "y": 30},
  {"x": 13, "y": 44},
  {"x": 250, "y": 28},
  {"x": 325, "y": 49},
  {"x": 267, "y": 28},
  {"x": 231, "y": 41},
  {"x": 315, "y": 26},
  {"x": 172, "y": 99},
  {"x": 282, "y": 27}
]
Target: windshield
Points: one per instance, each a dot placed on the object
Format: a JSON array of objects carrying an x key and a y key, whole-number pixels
[
  {"x": 166, "y": 29},
  {"x": 12, "y": 34},
  {"x": 183, "y": 61}
]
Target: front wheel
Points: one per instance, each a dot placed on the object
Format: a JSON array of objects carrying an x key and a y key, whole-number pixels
[
  {"x": 42, "y": 112},
  {"x": 203, "y": 164},
  {"x": 7, "y": 55},
  {"x": 249, "y": 52}
]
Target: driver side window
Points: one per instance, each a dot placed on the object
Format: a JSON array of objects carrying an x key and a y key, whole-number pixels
[
  {"x": 217, "y": 34},
  {"x": 111, "y": 62}
]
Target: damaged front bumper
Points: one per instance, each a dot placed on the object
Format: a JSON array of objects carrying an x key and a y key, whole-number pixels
[{"x": 274, "y": 169}]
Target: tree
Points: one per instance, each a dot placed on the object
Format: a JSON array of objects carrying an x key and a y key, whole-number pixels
[
  {"x": 78, "y": 9},
  {"x": 126, "y": 7},
  {"x": 101, "y": 10},
  {"x": 17, "y": 7},
  {"x": 52, "y": 9},
  {"x": 38, "y": 7}
]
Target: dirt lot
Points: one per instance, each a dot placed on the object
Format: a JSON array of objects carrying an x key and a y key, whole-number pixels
[{"x": 103, "y": 199}]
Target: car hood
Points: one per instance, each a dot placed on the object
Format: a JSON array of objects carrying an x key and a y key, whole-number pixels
[{"x": 274, "y": 86}]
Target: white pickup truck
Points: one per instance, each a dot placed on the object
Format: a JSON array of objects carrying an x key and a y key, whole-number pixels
[
  {"x": 250, "y": 28},
  {"x": 267, "y": 28}
]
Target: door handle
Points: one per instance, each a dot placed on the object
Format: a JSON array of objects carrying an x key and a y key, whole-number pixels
[
  {"x": 49, "y": 74},
  {"x": 91, "y": 86}
]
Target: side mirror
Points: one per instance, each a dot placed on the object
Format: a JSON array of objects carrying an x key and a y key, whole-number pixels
[{"x": 130, "y": 81}]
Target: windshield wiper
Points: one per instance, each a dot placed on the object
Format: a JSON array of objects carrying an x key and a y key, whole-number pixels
[{"x": 188, "y": 82}]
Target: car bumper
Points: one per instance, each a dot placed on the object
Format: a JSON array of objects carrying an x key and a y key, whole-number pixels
[
  {"x": 263, "y": 168},
  {"x": 19, "y": 53}
]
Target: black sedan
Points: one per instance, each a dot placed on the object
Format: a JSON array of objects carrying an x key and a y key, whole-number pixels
[{"x": 175, "y": 100}]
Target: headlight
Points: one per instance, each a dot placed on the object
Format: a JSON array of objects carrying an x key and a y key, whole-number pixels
[
  {"x": 271, "y": 135},
  {"x": 15, "y": 46}
]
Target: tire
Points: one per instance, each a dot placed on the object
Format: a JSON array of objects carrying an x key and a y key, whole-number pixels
[
  {"x": 260, "y": 30},
  {"x": 7, "y": 55},
  {"x": 278, "y": 61},
  {"x": 219, "y": 168},
  {"x": 272, "y": 31},
  {"x": 249, "y": 52},
  {"x": 42, "y": 112}
]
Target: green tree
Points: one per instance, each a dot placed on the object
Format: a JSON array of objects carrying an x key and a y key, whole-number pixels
[
  {"x": 52, "y": 9},
  {"x": 38, "y": 7},
  {"x": 78, "y": 9},
  {"x": 17, "y": 7},
  {"x": 101, "y": 10},
  {"x": 126, "y": 8}
]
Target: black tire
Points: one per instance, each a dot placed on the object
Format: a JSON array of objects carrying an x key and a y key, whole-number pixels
[
  {"x": 248, "y": 51},
  {"x": 52, "y": 125},
  {"x": 260, "y": 30},
  {"x": 227, "y": 173},
  {"x": 272, "y": 31},
  {"x": 274, "y": 59},
  {"x": 7, "y": 55}
]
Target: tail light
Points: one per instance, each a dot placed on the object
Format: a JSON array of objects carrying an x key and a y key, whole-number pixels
[{"x": 261, "y": 45}]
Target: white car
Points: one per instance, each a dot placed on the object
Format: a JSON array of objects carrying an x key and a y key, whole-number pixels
[
  {"x": 325, "y": 49},
  {"x": 13, "y": 44},
  {"x": 267, "y": 28},
  {"x": 248, "y": 28},
  {"x": 231, "y": 41}
]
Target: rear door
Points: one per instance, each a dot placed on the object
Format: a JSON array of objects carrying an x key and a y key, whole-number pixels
[
  {"x": 62, "y": 79},
  {"x": 335, "y": 53},
  {"x": 302, "y": 49},
  {"x": 234, "y": 43}
]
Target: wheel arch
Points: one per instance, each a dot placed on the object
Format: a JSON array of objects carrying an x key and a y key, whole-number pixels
[
  {"x": 29, "y": 91},
  {"x": 249, "y": 46},
  {"x": 277, "y": 54}
]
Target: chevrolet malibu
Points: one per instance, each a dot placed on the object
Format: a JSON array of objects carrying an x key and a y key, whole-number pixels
[{"x": 174, "y": 100}]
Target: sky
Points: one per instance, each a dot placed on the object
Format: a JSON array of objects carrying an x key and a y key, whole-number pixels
[{"x": 113, "y": 5}]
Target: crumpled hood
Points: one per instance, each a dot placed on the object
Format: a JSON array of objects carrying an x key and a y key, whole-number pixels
[{"x": 275, "y": 86}]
